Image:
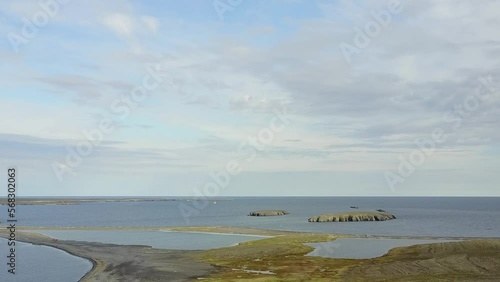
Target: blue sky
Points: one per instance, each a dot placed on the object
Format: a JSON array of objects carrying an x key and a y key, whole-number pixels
[{"x": 354, "y": 120}]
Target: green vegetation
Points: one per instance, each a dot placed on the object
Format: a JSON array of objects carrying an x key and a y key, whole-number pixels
[{"x": 284, "y": 256}]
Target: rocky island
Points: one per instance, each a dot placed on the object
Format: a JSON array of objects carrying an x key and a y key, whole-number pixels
[
  {"x": 352, "y": 216},
  {"x": 268, "y": 213}
]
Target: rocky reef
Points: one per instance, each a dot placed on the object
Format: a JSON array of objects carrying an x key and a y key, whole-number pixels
[
  {"x": 352, "y": 216},
  {"x": 268, "y": 213}
]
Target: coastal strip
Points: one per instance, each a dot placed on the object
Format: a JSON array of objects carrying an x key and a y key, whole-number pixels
[
  {"x": 42, "y": 240},
  {"x": 126, "y": 262},
  {"x": 283, "y": 255},
  {"x": 76, "y": 201},
  {"x": 240, "y": 230}
]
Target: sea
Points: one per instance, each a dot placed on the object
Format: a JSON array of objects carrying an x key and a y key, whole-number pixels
[
  {"x": 416, "y": 216},
  {"x": 437, "y": 217}
]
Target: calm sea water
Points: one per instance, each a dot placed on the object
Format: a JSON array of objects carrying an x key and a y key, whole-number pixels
[
  {"x": 41, "y": 263},
  {"x": 436, "y": 216}
]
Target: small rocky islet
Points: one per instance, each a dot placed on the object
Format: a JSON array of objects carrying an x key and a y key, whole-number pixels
[
  {"x": 353, "y": 217},
  {"x": 268, "y": 213}
]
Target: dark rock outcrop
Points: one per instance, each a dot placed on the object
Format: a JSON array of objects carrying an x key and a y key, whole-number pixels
[
  {"x": 268, "y": 213},
  {"x": 352, "y": 216}
]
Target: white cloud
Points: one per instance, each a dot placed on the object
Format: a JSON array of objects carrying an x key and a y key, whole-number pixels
[
  {"x": 356, "y": 116},
  {"x": 151, "y": 23},
  {"x": 120, "y": 24},
  {"x": 126, "y": 25}
]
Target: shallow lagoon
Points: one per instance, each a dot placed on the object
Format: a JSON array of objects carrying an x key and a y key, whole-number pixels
[
  {"x": 363, "y": 248},
  {"x": 41, "y": 263},
  {"x": 155, "y": 239}
]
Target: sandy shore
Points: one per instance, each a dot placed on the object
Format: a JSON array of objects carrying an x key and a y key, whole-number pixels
[
  {"x": 240, "y": 230},
  {"x": 127, "y": 263}
]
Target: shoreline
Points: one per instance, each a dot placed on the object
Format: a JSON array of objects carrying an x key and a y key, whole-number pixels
[
  {"x": 112, "y": 262},
  {"x": 75, "y": 201},
  {"x": 243, "y": 231},
  {"x": 33, "y": 241},
  {"x": 71, "y": 253},
  {"x": 282, "y": 253},
  {"x": 65, "y": 200},
  {"x": 90, "y": 259}
]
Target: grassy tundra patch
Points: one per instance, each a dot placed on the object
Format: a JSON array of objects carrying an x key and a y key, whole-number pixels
[{"x": 282, "y": 258}]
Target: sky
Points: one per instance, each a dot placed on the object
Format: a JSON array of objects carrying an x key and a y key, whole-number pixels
[{"x": 251, "y": 98}]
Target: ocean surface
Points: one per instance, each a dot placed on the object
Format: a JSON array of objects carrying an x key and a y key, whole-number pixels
[
  {"x": 416, "y": 216},
  {"x": 40, "y": 263}
]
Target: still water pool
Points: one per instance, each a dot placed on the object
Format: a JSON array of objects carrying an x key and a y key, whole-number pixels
[
  {"x": 363, "y": 248},
  {"x": 155, "y": 239},
  {"x": 36, "y": 263}
]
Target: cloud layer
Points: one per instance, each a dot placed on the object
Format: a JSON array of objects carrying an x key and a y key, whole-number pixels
[{"x": 223, "y": 81}]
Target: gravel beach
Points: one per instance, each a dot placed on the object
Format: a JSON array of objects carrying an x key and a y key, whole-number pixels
[{"x": 125, "y": 262}]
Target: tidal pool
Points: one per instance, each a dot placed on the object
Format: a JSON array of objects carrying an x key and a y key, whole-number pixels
[
  {"x": 155, "y": 239},
  {"x": 364, "y": 248},
  {"x": 41, "y": 263}
]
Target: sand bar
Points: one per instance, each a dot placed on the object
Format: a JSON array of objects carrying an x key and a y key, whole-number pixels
[{"x": 126, "y": 263}]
